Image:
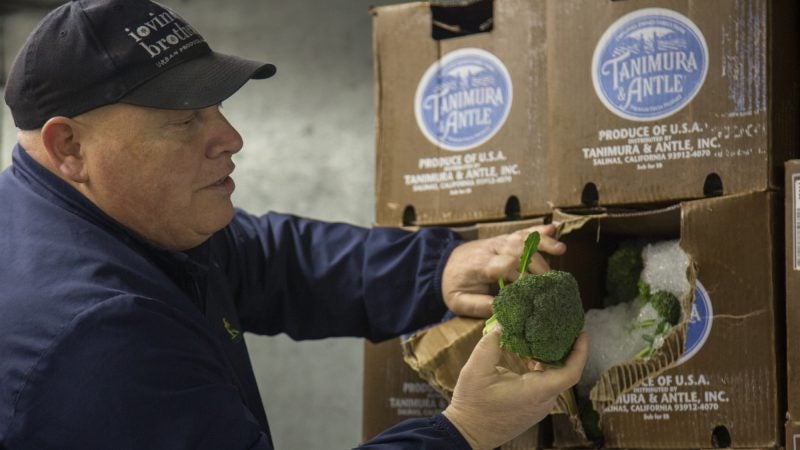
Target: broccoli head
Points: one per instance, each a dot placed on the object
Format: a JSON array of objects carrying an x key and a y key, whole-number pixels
[
  {"x": 667, "y": 306},
  {"x": 659, "y": 311},
  {"x": 622, "y": 277},
  {"x": 541, "y": 315}
]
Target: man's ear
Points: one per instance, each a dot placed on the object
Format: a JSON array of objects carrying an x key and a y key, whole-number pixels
[{"x": 61, "y": 139}]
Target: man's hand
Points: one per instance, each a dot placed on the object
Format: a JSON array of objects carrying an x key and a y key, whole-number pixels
[
  {"x": 492, "y": 406},
  {"x": 474, "y": 267}
]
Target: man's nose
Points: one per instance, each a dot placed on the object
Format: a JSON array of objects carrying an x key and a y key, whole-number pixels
[{"x": 224, "y": 138}]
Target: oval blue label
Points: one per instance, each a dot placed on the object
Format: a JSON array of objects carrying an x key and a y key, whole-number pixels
[
  {"x": 649, "y": 64},
  {"x": 463, "y": 99},
  {"x": 700, "y": 320}
]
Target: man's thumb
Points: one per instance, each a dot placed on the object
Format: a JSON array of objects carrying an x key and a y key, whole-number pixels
[{"x": 486, "y": 354}]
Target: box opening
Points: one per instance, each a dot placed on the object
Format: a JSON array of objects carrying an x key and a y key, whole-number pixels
[
  {"x": 454, "y": 18},
  {"x": 409, "y": 216},
  {"x": 721, "y": 437},
  {"x": 513, "y": 210},
  {"x": 598, "y": 238},
  {"x": 712, "y": 187},
  {"x": 593, "y": 235},
  {"x": 589, "y": 195}
]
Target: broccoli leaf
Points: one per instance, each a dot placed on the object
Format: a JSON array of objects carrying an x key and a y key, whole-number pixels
[{"x": 531, "y": 245}]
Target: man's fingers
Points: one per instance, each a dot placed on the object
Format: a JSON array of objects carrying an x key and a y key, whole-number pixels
[
  {"x": 473, "y": 305},
  {"x": 552, "y": 246},
  {"x": 503, "y": 266},
  {"x": 548, "y": 230},
  {"x": 580, "y": 351},
  {"x": 557, "y": 380},
  {"x": 486, "y": 354},
  {"x": 537, "y": 264}
]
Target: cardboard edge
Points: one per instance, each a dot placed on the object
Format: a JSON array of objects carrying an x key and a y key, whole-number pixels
[{"x": 458, "y": 332}]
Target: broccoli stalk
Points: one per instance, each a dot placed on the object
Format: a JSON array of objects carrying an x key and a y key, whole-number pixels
[
  {"x": 530, "y": 247},
  {"x": 541, "y": 315}
]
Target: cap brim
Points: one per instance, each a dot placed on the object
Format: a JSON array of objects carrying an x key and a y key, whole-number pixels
[{"x": 198, "y": 83}]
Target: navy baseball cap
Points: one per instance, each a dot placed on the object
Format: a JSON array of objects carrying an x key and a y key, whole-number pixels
[{"x": 90, "y": 53}]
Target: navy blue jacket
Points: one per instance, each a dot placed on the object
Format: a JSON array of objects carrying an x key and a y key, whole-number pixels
[{"x": 107, "y": 341}]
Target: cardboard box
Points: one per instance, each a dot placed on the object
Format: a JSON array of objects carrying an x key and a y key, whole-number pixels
[
  {"x": 722, "y": 385},
  {"x": 726, "y": 388},
  {"x": 646, "y": 92},
  {"x": 460, "y": 132},
  {"x": 792, "y": 233}
]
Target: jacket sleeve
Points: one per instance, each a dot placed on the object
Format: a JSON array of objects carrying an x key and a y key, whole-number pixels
[
  {"x": 434, "y": 433},
  {"x": 312, "y": 279}
]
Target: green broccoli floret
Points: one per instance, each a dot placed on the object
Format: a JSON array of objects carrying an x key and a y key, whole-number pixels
[
  {"x": 622, "y": 277},
  {"x": 667, "y": 306},
  {"x": 668, "y": 309},
  {"x": 541, "y": 315}
]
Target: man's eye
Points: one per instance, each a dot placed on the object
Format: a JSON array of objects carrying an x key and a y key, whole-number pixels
[{"x": 187, "y": 120}]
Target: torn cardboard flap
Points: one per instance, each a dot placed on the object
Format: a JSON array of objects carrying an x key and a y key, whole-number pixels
[
  {"x": 624, "y": 377},
  {"x": 439, "y": 353}
]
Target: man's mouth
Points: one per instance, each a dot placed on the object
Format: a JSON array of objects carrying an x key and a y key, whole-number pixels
[{"x": 225, "y": 183}]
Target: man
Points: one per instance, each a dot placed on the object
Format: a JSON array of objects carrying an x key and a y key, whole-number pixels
[{"x": 128, "y": 277}]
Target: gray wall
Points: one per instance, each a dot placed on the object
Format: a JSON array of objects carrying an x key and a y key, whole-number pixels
[{"x": 309, "y": 144}]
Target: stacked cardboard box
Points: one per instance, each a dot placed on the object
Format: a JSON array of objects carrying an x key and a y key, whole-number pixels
[
  {"x": 662, "y": 119},
  {"x": 664, "y": 100},
  {"x": 572, "y": 102},
  {"x": 459, "y": 121},
  {"x": 792, "y": 236}
]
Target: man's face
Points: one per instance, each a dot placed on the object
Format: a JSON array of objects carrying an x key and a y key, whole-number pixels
[{"x": 163, "y": 173}]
